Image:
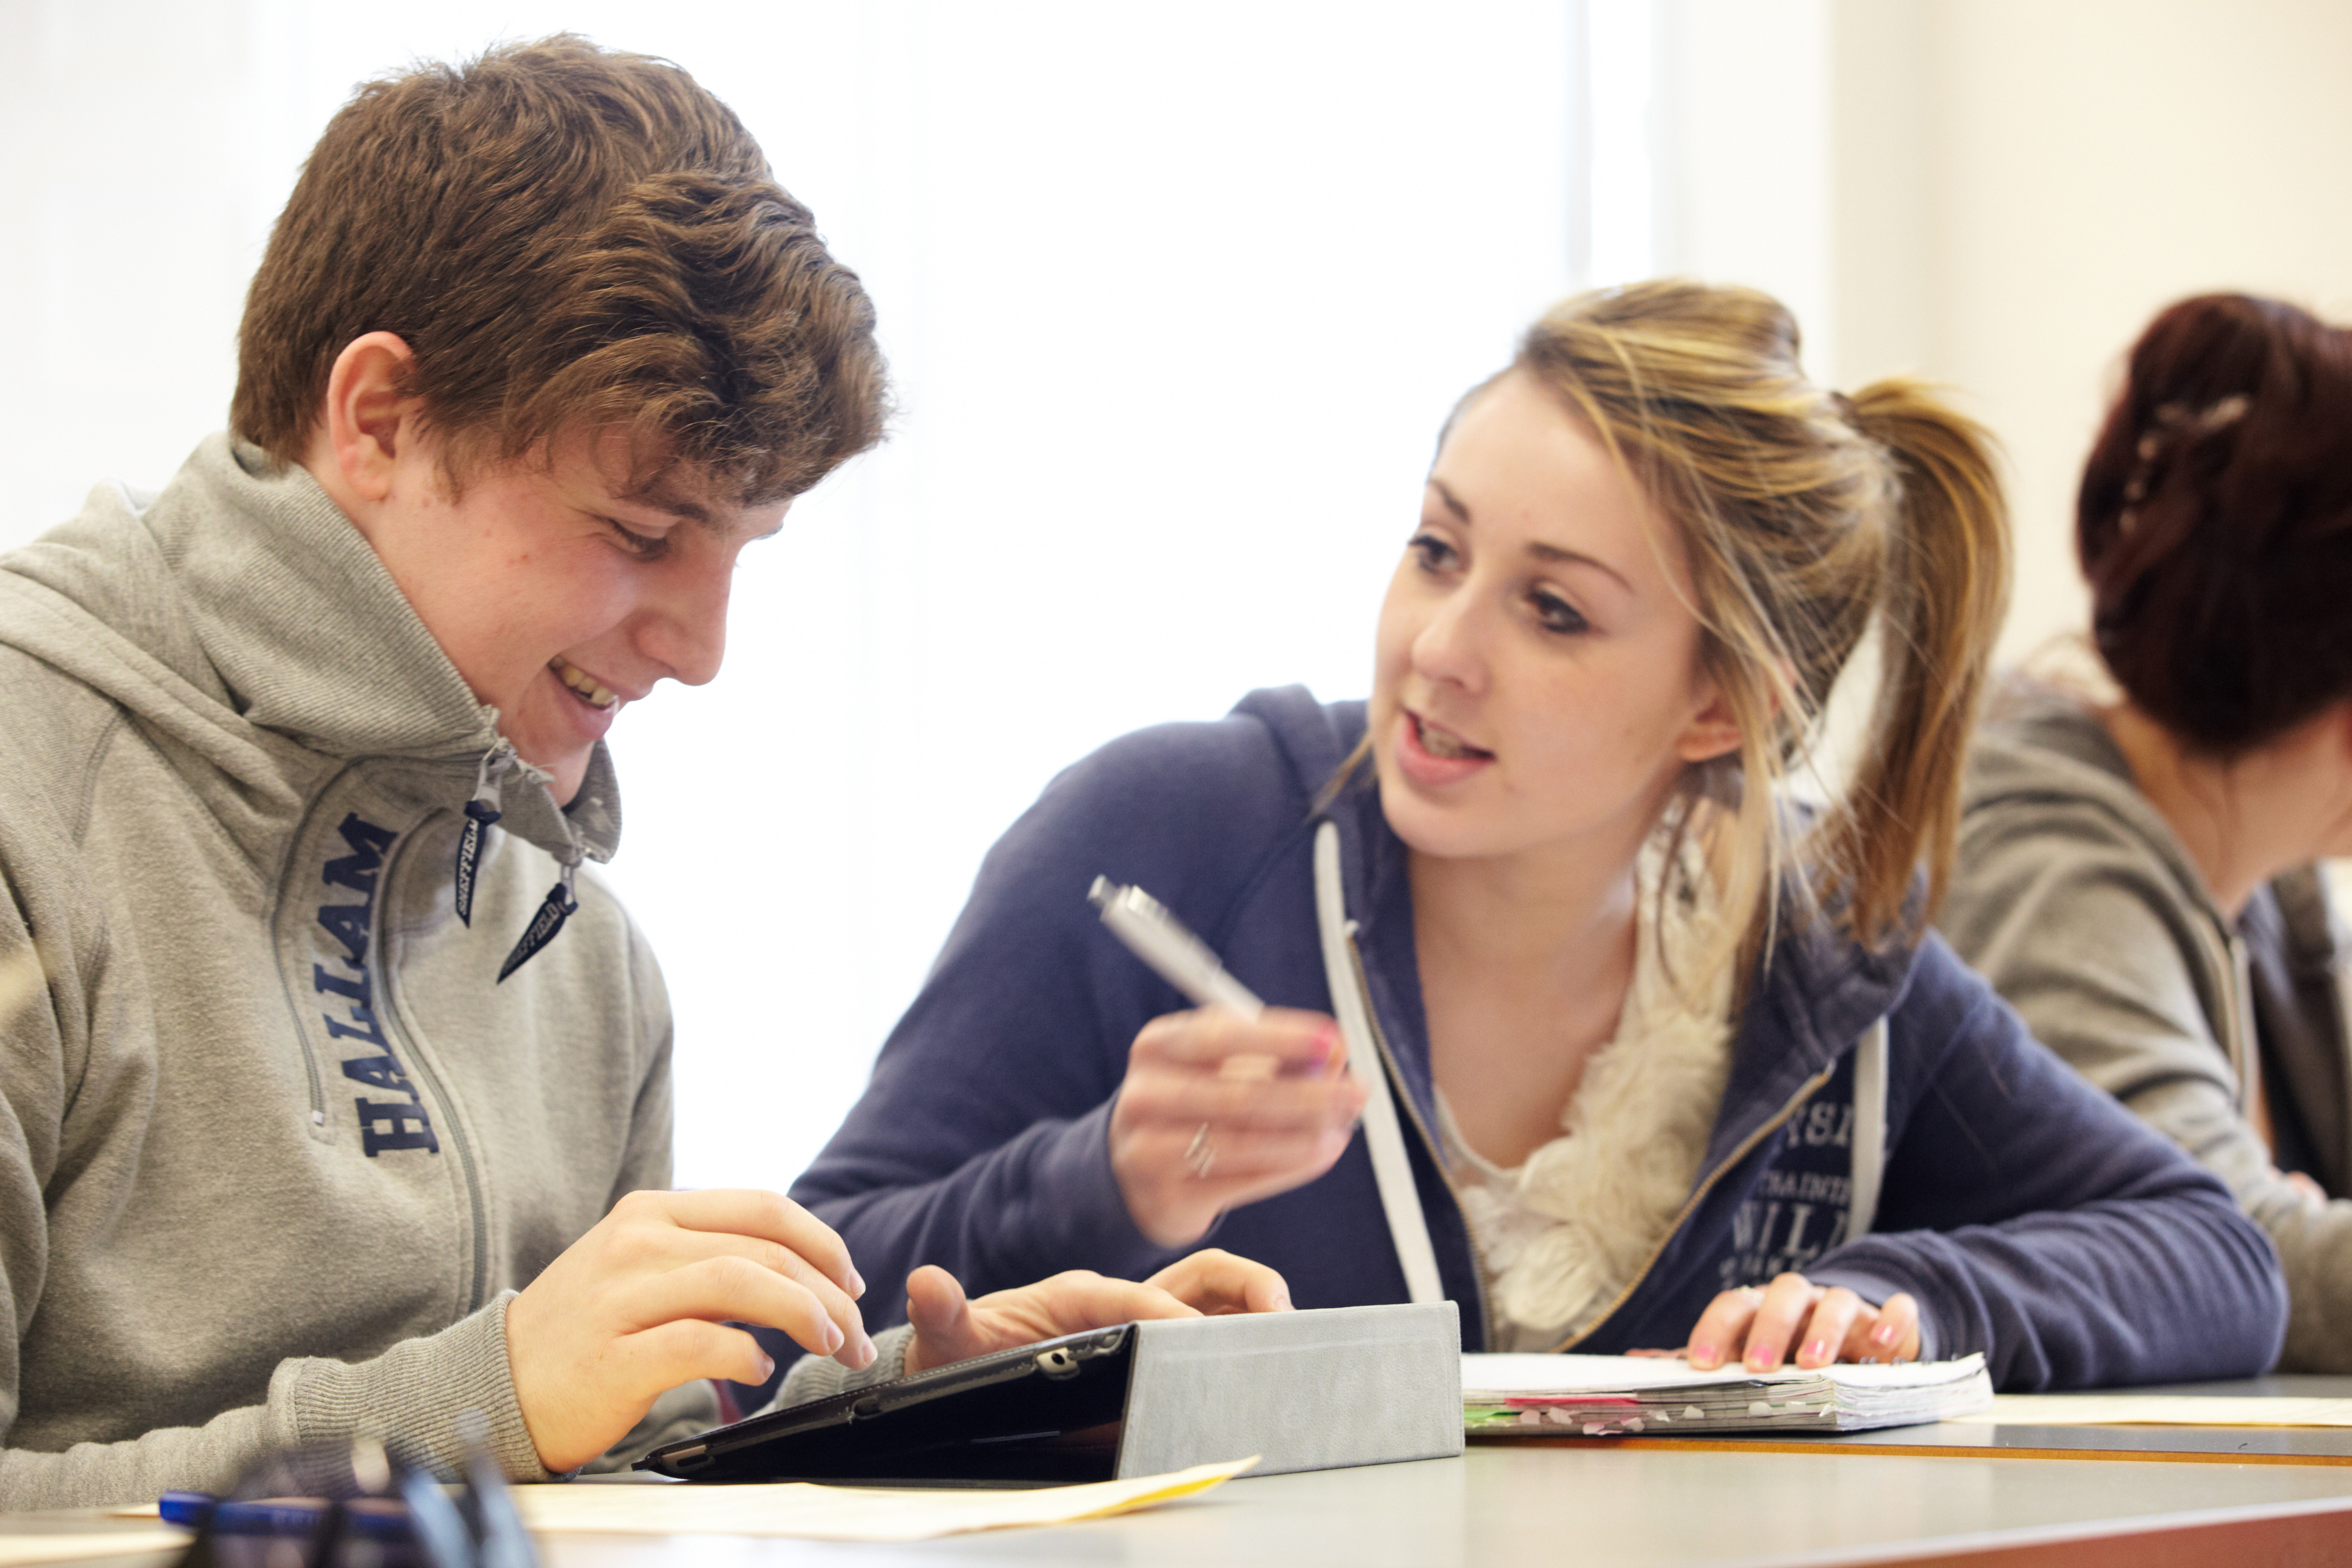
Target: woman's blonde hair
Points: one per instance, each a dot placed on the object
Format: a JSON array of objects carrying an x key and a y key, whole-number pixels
[{"x": 1802, "y": 512}]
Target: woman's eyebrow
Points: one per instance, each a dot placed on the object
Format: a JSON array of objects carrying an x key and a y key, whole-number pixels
[{"x": 1550, "y": 554}]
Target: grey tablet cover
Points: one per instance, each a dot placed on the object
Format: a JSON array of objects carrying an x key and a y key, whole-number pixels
[{"x": 1304, "y": 1391}]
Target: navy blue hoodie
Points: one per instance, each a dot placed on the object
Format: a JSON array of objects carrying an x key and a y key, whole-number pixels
[{"x": 2033, "y": 1217}]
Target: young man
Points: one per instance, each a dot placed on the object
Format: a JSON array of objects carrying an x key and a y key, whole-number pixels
[{"x": 337, "y": 1099}]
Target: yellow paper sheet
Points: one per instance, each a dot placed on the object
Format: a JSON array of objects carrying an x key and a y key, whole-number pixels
[
  {"x": 843, "y": 1514},
  {"x": 17, "y": 1549},
  {"x": 2159, "y": 1410}
]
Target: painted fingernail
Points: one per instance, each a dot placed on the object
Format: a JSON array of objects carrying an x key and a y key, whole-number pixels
[
  {"x": 1702, "y": 1355},
  {"x": 1883, "y": 1334},
  {"x": 833, "y": 1338},
  {"x": 1759, "y": 1358},
  {"x": 1818, "y": 1351}
]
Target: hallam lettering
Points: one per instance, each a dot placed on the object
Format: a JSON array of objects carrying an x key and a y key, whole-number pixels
[{"x": 402, "y": 1123}]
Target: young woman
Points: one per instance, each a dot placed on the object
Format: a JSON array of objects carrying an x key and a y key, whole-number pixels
[
  {"x": 2135, "y": 867},
  {"x": 1645, "y": 1059}
]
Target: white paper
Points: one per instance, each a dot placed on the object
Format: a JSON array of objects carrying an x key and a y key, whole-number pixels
[
  {"x": 843, "y": 1514},
  {"x": 1538, "y": 1376},
  {"x": 15, "y": 1549}
]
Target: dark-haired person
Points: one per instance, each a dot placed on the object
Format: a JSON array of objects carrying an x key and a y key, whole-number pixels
[
  {"x": 2136, "y": 872},
  {"x": 345, "y": 1105}
]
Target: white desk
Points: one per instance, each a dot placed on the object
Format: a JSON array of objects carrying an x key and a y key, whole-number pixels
[
  {"x": 1563, "y": 1503},
  {"x": 1849, "y": 1500}
]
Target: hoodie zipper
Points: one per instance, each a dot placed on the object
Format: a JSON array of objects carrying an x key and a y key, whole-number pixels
[
  {"x": 1805, "y": 1091},
  {"x": 448, "y": 1125}
]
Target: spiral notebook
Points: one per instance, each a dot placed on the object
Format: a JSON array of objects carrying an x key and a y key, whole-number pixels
[{"x": 1607, "y": 1396}]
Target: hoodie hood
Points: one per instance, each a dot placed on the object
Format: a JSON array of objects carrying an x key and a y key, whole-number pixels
[
  {"x": 2040, "y": 746},
  {"x": 240, "y": 612}
]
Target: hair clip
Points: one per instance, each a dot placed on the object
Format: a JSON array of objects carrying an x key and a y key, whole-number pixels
[{"x": 2170, "y": 420}]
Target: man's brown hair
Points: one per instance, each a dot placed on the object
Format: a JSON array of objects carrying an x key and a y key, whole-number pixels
[{"x": 570, "y": 241}]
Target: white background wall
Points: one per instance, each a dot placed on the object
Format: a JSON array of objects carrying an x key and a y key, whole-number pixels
[
  {"x": 2021, "y": 184},
  {"x": 1176, "y": 297}
]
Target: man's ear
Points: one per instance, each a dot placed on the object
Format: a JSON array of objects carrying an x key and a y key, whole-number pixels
[
  {"x": 368, "y": 421},
  {"x": 1711, "y": 732}
]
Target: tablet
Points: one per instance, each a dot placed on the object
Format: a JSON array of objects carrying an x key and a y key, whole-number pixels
[{"x": 1040, "y": 1414}]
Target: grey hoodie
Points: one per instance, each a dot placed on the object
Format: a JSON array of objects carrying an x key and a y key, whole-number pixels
[
  {"x": 275, "y": 1147},
  {"x": 2075, "y": 898}
]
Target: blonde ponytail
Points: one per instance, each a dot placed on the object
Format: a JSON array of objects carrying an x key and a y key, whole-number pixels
[
  {"x": 1803, "y": 514},
  {"x": 1946, "y": 588}
]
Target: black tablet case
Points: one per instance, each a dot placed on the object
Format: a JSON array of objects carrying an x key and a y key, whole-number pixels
[{"x": 1308, "y": 1390}]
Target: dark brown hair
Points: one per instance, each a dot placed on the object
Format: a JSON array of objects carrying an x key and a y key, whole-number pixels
[
  {"x": 570, "y": 241},
  {"x": 2215, "y": 521}
]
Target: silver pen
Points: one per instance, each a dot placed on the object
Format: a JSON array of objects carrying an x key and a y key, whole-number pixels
[{"x": 1182, "y": 959}]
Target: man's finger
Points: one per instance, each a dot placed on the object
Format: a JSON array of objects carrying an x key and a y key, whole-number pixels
[
  {"x": 941, "y": 1314},
  {"x": 685, "y": 1349},
  {"x": 1215, "y": 1281},
  {"x": 770, "y": 1217},
  {"x": 727, "y": 1289}
]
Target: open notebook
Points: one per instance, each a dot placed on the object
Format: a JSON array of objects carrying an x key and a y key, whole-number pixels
[{"x": 1608, "y": 1396}]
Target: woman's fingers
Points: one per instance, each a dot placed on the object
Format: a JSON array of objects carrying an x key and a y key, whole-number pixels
[
  {"x": 1298, "y": 1042},
  {"x": 1215, "y": 1282},
  {"x": 1189, "y": 1096},
  {"x": 1787, "y": 1301},
  {"x": 1795, "y": 1320},
  {"x": 1891, "y": 1333},
  {"x": 1217, "y": 1111},
  {"x": 1821, "y": 1338},
  {"x": 1722, "y": 1329}
]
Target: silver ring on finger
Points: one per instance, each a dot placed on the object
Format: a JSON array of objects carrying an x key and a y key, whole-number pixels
[{"x": 1200, "y": 1155}]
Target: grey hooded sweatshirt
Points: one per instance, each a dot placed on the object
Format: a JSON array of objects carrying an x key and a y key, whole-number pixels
[
  {"x": 2073, "y": 894},
  {"x": 276, "y": 1146}
]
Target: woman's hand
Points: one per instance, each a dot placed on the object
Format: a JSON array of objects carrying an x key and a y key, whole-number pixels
[
  {"x": 948, "y": 1326},
  {"x": 639, "y": 1305},
  {"x": 1759, "y": 1327},
  {"x": 1219, "y": 1110}
]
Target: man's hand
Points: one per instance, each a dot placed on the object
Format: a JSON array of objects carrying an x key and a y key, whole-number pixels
[
  {"x": 639, "y": 1305},
  {"x": 1757, "y": 1327},
  {"x": 949, "y": 1327}
]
